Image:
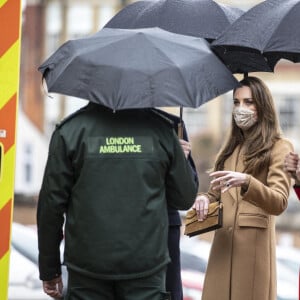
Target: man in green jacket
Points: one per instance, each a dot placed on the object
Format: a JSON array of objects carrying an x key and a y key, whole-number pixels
[{"x": 106, "y": 182}]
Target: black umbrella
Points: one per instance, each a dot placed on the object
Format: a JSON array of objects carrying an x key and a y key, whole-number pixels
[
  {"x": 142, "y": 68},
  {"x": 201, "y": 18},
  {"x": 261, "y": 37}
]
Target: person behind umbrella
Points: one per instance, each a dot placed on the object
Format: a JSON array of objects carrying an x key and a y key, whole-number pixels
[
  {"x": 107, "y": 177},
  {"x": 292, "y": 166},
  {"x": 173, "y": 276},
  {"x": 248, "y": 177}
]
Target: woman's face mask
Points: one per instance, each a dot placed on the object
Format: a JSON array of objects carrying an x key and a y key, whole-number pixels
[{"x": 244, "y": 117}]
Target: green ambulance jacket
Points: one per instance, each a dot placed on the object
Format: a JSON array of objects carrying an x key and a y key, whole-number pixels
[{"x": 108, "y": 176}]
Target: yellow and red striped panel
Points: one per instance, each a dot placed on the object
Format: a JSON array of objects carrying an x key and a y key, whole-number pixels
[{"x": 10, "y": 40}]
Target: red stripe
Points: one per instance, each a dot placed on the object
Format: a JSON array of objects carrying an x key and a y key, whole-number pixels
[
  {"x": 8, "y": 122},
  {"x": 9, "y": 24},
  {"x": 5, "y": 221}
]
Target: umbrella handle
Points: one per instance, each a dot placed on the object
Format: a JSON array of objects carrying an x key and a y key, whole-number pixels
[
  {"x": 180, "y": 130},
  {"x": 180, "y": 124}
]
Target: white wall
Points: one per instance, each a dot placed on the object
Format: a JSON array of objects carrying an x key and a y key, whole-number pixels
[{"x": 31, "y": 155}]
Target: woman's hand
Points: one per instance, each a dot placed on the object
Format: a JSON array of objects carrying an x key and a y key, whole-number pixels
[
  {"x": 201, "y": 206},
  {"x": 292, "y": 165},
  {"x": 186, "y": 147},
  {"x": 224, "y": 180}
]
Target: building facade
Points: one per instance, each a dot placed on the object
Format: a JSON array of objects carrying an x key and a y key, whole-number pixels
[{"x": 49, "y": 23}]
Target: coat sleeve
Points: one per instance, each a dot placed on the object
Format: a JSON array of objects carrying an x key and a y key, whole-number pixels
[
  {"x": 52, "y": 203},
  {"x": 176, "y": 120},
  {"x": 173, "y": 214},
  {"x": 181, "y": 187},
  {"x": 272, "y": 197}
]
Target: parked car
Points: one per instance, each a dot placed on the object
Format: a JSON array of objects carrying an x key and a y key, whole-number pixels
[
  {"x": 24, "y": 239},
  {"x": 192, "y": 262},
  {"x": 287, "y": 284},
  {"x": 193, "y": 270},
  {"x": 288, "y": 262},
  {"x": 192, "y": 284},
  {"x": 24, "y": 282},
  {"x": 289, "y": 256},
  {"x": 195, "y": 246}
]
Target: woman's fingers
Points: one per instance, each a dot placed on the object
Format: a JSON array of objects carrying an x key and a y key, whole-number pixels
[{"x": 201, "y": 206}]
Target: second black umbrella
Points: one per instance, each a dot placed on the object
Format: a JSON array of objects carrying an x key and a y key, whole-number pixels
[
  {"x": 201, "y": 18},
  {"x": 261, "y": 37}
]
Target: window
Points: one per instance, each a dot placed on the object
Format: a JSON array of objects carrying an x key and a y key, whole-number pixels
[
  {"x": 287, "y": 107},
  {"x": 28, "y": 172}
]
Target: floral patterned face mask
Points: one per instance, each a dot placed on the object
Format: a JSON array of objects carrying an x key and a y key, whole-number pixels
[{"x": 244, "y": 117}]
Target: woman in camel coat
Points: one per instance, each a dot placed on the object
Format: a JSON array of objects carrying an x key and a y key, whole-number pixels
[{"x": 250, "y": 180}]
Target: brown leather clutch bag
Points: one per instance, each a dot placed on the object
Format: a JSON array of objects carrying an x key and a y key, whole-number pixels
[{"x": 213, "y": 221}]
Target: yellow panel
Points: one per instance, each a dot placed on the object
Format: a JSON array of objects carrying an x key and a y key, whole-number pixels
[
  {"x": 7, "y": 179},
  {"x": 4, "y": 270},
  {"x": 9, "y": 79},
  {"x": 2, "y": 2}
]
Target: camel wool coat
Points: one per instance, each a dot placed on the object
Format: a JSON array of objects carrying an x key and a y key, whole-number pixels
[{"x": 242, "y": 263}]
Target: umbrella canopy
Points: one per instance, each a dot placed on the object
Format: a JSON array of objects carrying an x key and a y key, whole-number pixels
[
  {"x": 261, "y": 37},
  {"x": 201, "y": 18},
  {"x": 142, "y": 68}
]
